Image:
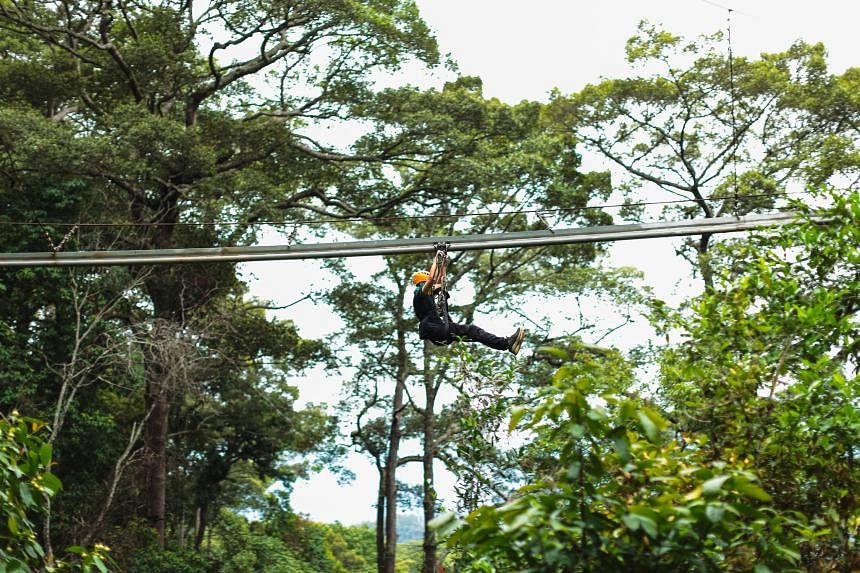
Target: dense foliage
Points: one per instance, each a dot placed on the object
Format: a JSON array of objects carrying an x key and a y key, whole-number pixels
[
  {"x": 279, "y": 542},
  {"x": 769, "y": 371},
  {"x": 622, "y": 494},
  {"x": 166, "y": 392},
  {"x": 26, "y": 488},
  {"x": 758, "y": 469}
]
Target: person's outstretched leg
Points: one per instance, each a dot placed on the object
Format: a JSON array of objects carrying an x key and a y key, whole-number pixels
[{"x": 473, "y": 333}]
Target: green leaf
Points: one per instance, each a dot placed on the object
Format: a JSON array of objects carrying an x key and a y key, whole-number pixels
[
  {"x": 517, "y": 413},
  {"x": 790, "y": 554},
  {"x": 78, "y": 550},
  {"x": 656, "y": 418},
  {"x": 100, "y": 564},
  {"x": 761, "y": 569},
  {"x": 52, "y": 482},
  {"x": 622, "y": 445},
  {"x": 631, "y": 521},
  {"x": 12, "y": 524},
  {"x": 715, "y": 513},
  {"x": 754, "y": 491},
  {"x": 14, "y": 565},
  {"x": 26, "y": 496},
  {"x": 522, "y": 519},
  {"x": 444, "y": 524},
  {"x": 649, "y": 526},
  {"x": 635, "y": 520},
  {"x": 649, "y": 426},
  {"x": 627, "y": 409},
  {"x": 713, "y": 485},
  {"x": 553, "y": 351},
  {"x": 45, "y": 454}
]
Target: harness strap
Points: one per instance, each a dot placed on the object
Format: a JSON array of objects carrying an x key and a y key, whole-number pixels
[{"x": 439, "y": 298}]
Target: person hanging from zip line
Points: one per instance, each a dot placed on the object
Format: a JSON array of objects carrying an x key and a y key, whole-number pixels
[{"x": 430, "y": 303}]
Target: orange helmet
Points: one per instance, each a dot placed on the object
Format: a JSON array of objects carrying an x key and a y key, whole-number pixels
[{"x": 420, "y": 277}]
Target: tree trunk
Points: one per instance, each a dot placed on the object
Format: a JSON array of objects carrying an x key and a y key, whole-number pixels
[
  {"x": 156, "y": 462},
  {"x": 429, "y": 500},
  {"x": 200, "y": 525},
  {"x": 166, "y": 300},
  {"x": 704, "y": 261},
  {"x": 155, "y": 442},
  {"x": 390, "y": 482},
  {"x": 397, "y": 407},
  {"x": 380, "y": 522},
  {"x": 164, "y": 289}
]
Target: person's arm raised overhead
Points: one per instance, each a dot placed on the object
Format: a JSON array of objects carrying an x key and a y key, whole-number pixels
[{"x": 437, "y": 273}]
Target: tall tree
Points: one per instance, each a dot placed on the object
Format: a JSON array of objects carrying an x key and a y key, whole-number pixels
[
  {"x": 714, "y": 132},
  {"x": 830, "y": 109},
  {"x": 769, "y": 370},
  {"x": 240, "y": 412},
  {"x": 178, "y": 113},
  {"x": 499, "y": 166}
]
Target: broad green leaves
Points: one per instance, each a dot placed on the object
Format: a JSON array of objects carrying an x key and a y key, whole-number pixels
[
  {"x": 768, "y": 371},
  {"x": 765, "y": 398},
  {"x": 624, "y": 494},
  {"x": 26, "y": 486}
]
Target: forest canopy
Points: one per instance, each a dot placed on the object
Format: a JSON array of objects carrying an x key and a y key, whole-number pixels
[{"x": 150, "y": 418}]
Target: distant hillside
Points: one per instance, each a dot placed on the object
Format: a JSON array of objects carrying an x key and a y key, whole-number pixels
[{"x": 410, "y": 526}]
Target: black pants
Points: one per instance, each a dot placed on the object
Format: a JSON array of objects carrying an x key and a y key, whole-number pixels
[{"x": 433, "y": 329}]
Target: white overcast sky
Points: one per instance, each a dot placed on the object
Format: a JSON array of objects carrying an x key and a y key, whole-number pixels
[{"x": 522, "y": 50}]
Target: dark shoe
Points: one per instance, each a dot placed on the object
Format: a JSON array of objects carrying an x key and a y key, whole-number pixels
[{"x": 515, "y": 341}]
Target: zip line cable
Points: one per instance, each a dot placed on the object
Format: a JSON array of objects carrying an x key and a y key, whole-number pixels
[
  {"x": 721, "y": 7},
  {"x": 398, "y": 246},
  {"x": 732, "y": 98},
  {"x": 319, "y": 222},
  {"x": 406, "y": 246}
]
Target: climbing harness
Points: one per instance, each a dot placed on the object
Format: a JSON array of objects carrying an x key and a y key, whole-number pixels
[{"x": 440, "y": 296}]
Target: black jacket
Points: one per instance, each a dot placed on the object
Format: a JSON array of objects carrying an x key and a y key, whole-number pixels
[{"x": 423, "y": 304}]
